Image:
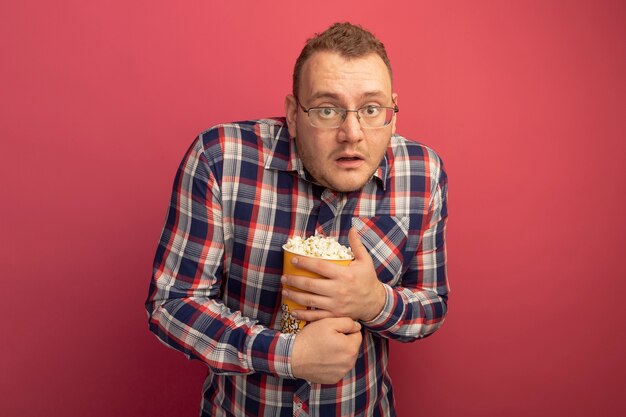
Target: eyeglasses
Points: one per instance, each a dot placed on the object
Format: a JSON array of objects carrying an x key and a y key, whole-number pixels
[{"x": 370, "y": 117}]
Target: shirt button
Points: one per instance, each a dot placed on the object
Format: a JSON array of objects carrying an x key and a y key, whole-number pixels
[{"x": 298, "y": 405}]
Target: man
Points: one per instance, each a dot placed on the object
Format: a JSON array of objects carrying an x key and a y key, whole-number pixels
[{"x": 333, "y": 166}]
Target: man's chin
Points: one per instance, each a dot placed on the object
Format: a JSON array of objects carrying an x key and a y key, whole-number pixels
[{"x": 348, "y": 185}]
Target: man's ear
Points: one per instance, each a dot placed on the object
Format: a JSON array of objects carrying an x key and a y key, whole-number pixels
[{"x": 291, "y": 111}]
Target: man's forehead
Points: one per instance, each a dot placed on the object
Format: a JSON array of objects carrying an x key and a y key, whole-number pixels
[
  {"x": 332, "y": 75},
  {"x": 335, "y": 61}
]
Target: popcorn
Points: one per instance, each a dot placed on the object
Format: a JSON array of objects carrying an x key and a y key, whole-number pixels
[
  {"x": 318, "y": 246},
  {"x": 315, "y": 246}
]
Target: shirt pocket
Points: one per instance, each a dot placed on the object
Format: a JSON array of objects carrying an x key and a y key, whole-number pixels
[{"x": 385, "y": 238}]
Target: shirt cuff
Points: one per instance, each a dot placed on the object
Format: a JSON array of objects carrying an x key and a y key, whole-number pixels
[
  {"x": 388, "y": 316},
  {"x": 270, "y": 352}
]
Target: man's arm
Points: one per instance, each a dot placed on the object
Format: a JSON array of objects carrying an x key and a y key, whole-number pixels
[
  {"x": 414, "y": 308},
  {"x": 184, "y": 306},
  {"x": 418, "y": 305}
]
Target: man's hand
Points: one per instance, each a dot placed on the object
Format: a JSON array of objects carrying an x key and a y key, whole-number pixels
[
  {"x": 326, "y": 350},
  {"x": 350, "y": 291}
]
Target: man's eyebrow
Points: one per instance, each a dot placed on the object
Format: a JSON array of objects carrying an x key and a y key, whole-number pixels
[
  {"x": 324, "y": 94},
  {"x": 333, "y": 96},
  {"x": 374, "y": 94}
]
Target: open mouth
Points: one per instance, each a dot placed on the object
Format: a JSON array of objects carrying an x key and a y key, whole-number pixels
[{"x": 349, "y": 162}]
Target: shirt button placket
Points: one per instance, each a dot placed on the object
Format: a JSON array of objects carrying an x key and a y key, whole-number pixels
[
  {"x": 300, "y": 399},
  {"x": 298, "y": 410}
]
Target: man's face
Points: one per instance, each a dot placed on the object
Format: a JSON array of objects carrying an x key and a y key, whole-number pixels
[{"x": 342, "y": 159}]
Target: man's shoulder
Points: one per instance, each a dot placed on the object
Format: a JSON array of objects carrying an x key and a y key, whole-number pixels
[
  {"x": 243, "y": 140},
  {"x": 412, "y": 150},
  {"x": 234, "y": 130}
]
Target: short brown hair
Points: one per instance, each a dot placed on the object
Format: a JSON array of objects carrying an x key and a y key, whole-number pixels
[{"x": 346, "y": 39}]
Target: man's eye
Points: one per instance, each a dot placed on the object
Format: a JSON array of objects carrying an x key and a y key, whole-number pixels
[
  {"x": 327, "y": 112},
  {"x": 370, "y": 111}
]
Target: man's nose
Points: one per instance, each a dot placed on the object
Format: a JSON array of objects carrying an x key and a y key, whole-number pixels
[{"x": 350, "y": 130}]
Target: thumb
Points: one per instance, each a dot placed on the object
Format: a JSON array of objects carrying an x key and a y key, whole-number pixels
[
  {"x": 346, "y": 325},
  {"x": 359, "y": 250}
]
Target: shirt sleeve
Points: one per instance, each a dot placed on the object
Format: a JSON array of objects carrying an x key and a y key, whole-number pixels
[
  {"x": 184, "y": 307},
  {"x": 416, "y": 307}
]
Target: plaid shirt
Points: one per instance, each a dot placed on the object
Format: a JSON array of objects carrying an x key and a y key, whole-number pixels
[{"x": 240, "y": 192}]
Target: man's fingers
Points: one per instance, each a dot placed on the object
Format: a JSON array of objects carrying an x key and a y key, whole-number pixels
[
  {"x": 346, "y": 325},
  {"x": 307, "y": 299},
  {"x": 316, "y": 265},
  {"x": 359, "y": 250},
  {"x": 310, "y": 285}
]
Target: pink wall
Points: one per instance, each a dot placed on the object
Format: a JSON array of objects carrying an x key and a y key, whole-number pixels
[{"x": 524, "y": 100}]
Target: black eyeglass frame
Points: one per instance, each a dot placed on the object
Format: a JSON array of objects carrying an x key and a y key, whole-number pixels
[{"x": 345, "y": 114}]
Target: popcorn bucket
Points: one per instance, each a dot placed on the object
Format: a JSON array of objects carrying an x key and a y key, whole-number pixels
[{"x": 288, "y": 323}]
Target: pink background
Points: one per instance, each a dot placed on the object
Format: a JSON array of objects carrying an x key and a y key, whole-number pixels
[{"x": 524, "y": 101}]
